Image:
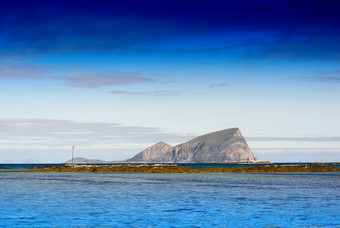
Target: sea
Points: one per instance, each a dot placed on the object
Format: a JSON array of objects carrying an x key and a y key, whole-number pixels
[{"x": 169, "y": 200}]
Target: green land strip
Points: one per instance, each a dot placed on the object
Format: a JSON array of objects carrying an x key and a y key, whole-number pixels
[{"x": 128, "y": 168}]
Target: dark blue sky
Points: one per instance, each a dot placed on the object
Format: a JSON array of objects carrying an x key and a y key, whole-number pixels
[
  {"x": 291, "y": 29},
  {"x": 113, "y": 77}
]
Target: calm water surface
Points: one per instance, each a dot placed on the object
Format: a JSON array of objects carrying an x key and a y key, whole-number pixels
[{"x": 169, "y": 200}]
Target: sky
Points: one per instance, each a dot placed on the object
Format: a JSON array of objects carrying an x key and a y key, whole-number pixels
[{"x": 114, "y": 77}]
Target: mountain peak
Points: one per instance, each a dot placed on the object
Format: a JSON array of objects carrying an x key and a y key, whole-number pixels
[
  {"x": 159, "y": 152},
  {"x": 220, "y": 146},
  {"x": 161, "y": 143},
  {"x": 219, "y": 137}
]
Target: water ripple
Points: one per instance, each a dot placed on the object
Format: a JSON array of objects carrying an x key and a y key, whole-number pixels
[{"x": 169, "y": 200}]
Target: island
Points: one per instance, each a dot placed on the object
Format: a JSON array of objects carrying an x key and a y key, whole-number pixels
[
  {"x": 221, "y": 146},
  {"x": 217, "y": 149},
  {"x": 175, "y": 168}
]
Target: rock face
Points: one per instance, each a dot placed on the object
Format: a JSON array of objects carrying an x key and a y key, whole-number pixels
[
  {"x": 221, "y": 146},
  {"x": 160, "y": 152}
]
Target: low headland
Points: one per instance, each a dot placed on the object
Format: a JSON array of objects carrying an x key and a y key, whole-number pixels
[{"x": 175, "y": 168}]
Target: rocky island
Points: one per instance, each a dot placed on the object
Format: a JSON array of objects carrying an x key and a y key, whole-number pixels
[
  {"x": 80, "y": 160},
  {"x": 222, "y": 146}
]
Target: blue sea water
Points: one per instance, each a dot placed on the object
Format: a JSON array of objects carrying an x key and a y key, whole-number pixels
[{"x": 169, "y": 200}]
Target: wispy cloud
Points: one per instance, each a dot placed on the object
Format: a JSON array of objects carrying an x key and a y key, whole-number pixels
[
  {"x": 216, "y": 85},
  {"x": 145, "y": 93},
  {"x": 296, "y": 139},
  {"x": 27, "y": 70},
  {"x": 14, "y": 69},
  {"x": 53, "y": 134},
  {"x": 333, "y": 72},
  {"x": 326, "y": 79},
  {"x": 298, "y": 154},
  {"x": 331, "y": 76},
  {"x": 87, "y": 80},
  {"x": 296, "y": 150}
]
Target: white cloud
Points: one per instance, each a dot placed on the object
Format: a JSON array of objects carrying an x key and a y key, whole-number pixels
[
  {"x": 52, "y": 134},
  {"x": 87, "y": 80},
  {"x": 297, "y": 139},
  {"x": 145, "y": 93},
  {"x": 296, "y": 150},
  {"x": 323, "y": 79},
  {"x": 298, "y": 154},
  {"x": 12, "y": 69},
  {"x": 216, "y": 85}
]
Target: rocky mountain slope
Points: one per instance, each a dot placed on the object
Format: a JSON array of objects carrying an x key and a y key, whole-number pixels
[
  {"x": 160, "y": 152},
  {"x": 221, "y": 146}
]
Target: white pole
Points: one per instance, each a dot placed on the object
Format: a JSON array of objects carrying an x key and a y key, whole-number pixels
[{"x": 73, "y": 156}]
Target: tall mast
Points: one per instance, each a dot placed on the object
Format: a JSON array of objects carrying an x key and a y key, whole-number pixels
[{"x": 72, "y": 156}]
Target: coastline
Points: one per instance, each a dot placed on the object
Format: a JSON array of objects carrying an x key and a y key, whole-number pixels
[{"x": 160, "y": 168}]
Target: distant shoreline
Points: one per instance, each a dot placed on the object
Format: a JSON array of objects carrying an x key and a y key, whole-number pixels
[{"x": 161, "y": 168}]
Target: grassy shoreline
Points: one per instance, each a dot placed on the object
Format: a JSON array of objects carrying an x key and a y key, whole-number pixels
[{"x": 157, "y": 168}]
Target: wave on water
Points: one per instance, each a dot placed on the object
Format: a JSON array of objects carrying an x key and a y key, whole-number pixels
[{"x": 169, "y": 200}]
